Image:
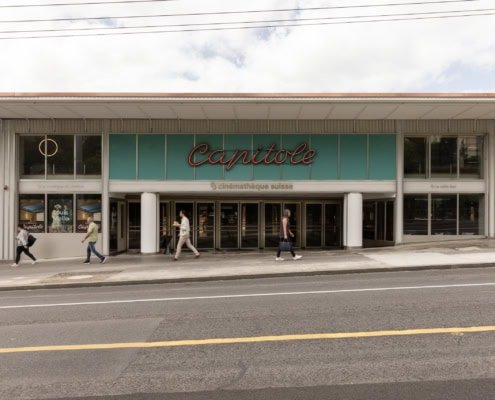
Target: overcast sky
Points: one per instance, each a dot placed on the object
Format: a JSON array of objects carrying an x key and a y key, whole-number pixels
[{"x": 437, "y": 55}]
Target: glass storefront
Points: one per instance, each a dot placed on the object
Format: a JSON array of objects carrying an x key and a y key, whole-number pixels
[
  {"x": 60, "y": 156},
  {"x": 443, "y": 157},
  {"x": 443, "y": 214},
  {"x": 450, "y": 214},
  {"x": 415, "y": 157},
  {"x": 416, "y": 214}
]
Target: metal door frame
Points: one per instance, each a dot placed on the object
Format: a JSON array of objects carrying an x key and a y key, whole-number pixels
[
  {"x": 195, "y": 210},
  {"x": 263, "y": 221},
  {"x": 128, "y": 203},
  {"x": 219, "y": 219},
  {"x": 122, "y": 219},
  {"x": 322, "y": 242},
  {"x": 340, "y": 220},
  {"x": 241, "y": 202}
]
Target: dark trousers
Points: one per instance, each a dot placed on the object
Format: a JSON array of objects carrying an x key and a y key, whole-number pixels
[
  {"x": 25, "y": 250},
  {"x": 91, "y": 249},
  {"x": 280, "y": 251}
]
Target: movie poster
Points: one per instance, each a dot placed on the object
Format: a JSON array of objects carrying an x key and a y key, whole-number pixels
[{"x": 60, "y": 213}]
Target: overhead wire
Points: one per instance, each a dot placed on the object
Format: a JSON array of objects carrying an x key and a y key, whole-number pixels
[
  {"x": 85, "y": 3},
  {"x": 299, "y": 9},
  {"x": 251, "y": 27},
  {"x": 182, "y": 25}
]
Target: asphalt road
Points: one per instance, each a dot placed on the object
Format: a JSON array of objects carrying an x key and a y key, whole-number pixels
[{"x": 417, "y": 365}]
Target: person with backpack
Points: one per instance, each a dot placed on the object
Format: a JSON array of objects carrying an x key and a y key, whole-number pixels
[
  {"x": 23, "y": 244},
  {"x": 285, "y": 243}
]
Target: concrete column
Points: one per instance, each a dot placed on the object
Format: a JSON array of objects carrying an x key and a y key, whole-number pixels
[
  {"x": 399, "y": 191},
  {"x": 149, "y": 223},
  {"x": 3, "y": 190},
  {"x": 490, "y": 181},
  {"x": 105, "y": 201},
  {"x": 354, "y": 217}
]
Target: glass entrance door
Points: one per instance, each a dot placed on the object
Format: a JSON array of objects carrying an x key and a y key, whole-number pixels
[
  {"x": 117, "y": 226},
  {"x": 332, "y": 225},
  {"x": 205, "y": 232},
  {"x": 314, "y": 224},
  {"x": 134, "y": 226},
  {"x": 229, "y": 225},
  {"x": 249, "y": 225},
  {"x": 273, "y": 213}
]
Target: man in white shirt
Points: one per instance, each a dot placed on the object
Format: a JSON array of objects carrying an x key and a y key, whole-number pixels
[{"x": 184, "y": 235}]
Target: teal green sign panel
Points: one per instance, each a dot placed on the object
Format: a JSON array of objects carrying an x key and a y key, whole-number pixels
[
  {"x": 178, "y": 148},
  {"x": 290, "y": 171},
  {"x": 122, "y": 156},
  {"x": 353, "y": 157},
  {"x": 261, "y": 171},
  {"x": 382, "y": 161},
  {"x": 326, "y": 163},
  {"x": 209, "y": 171},
  {"x": 151, "y": 157},
  {"x": 239, "y": 172},
  {"x": 337, "y": 157}
]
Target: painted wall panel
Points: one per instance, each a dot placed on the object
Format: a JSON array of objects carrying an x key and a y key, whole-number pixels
[
  {"x": 262, "y": 171},
  {"x": 299, "y": 171},
  {"x": 325, "y": 164},
  {"x": 151, "y": 157},
  {"x": 239, "y": 172},
  {"x": 382, "y": 157},
  {"x": 353, "y": 157},
  {"x": 178, "y": 148},
  {"x": 122, "y": 156},
  {"x": 207, "y": 171}
]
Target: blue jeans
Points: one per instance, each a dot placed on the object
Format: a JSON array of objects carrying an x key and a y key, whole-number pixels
[{"x": 91, "y": 248}]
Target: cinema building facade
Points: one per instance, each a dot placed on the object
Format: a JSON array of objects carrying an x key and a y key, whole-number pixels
[{"x": 355, "y": 169}]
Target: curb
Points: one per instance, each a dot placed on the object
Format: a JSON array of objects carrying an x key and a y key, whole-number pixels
[{"x": 247, "y": 276}]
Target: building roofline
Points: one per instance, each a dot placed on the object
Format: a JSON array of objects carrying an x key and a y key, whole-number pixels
[{"x": 233, "y": 95}]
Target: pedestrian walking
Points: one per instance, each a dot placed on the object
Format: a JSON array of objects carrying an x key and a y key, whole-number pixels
[
  {"x": 92, "y": 236},
  {"x": 285, "y": 243},
  {"x": 184, "y": 235},
  {"x": 22, "y": 246}
]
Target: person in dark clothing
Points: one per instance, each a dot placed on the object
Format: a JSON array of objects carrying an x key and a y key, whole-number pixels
[
  {"x": 285, "y": 235},
  {"x": 22, "y": 246}
]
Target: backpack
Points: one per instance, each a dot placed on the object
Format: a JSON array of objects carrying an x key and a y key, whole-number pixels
[{"x": 30, "y": 240}]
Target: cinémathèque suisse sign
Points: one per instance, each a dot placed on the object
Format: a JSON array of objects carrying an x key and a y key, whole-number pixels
[{"x": 203, "y": 154}]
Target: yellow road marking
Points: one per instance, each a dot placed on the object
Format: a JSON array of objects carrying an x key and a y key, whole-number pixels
[{"x": 254, "y": 339}]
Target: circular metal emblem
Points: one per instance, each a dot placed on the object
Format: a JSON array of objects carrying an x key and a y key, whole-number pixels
[{"x": 41, "y": 147}]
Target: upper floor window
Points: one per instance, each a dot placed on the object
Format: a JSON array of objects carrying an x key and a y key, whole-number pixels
[
  {"x": 448, "y": 157},
  {"x": 60, "y": 156}
]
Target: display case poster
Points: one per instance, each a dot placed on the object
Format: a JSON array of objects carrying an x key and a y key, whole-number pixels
[
  {"x": 88, "y": 206},
  {"x": 32, "y": 213},
  {"x": 60, "y": 213}
]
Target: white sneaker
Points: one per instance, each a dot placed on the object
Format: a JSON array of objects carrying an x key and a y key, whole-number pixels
[
  {"x": 297, "y": 257},
  {"x": 33, "y": 262},
  {"x": 15, "y": 265},
  {"x": 279, "y": 259}
]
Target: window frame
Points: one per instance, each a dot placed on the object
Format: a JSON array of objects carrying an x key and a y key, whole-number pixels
[{"x": 46, "y": 176}]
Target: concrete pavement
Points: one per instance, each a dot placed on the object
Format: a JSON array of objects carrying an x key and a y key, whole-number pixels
[
  {"x": 160, "y": 268},
  {"x": 428, "y": 366}
]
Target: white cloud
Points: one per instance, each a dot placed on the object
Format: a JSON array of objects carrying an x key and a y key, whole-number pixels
[{"x": 394, "y": 56}]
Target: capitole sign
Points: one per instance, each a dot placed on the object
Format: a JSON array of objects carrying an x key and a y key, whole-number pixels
[{"x": 202, "y": 154}]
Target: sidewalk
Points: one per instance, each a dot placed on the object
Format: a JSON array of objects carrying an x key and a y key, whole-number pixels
[{"x": 160, "y": 268}]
